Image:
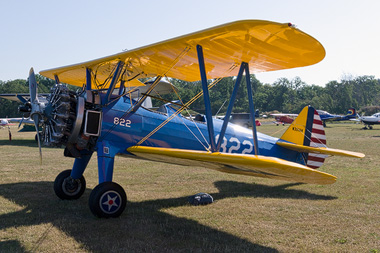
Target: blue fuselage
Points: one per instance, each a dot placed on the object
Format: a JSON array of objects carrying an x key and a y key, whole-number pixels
[{"x": 122, "y": 130}]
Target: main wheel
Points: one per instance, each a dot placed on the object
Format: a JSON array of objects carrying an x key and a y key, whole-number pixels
[
  {"x": 66, "y": 187},
  {"x": 107, "y": 200}
]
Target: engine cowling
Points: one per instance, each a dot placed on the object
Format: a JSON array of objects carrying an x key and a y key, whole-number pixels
[{"x": 64, "y": 120}]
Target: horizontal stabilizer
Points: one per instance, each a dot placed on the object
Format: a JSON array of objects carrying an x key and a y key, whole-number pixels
[
  {"x": 252, "y": 165},
  {"x": 319, "y": 150}
]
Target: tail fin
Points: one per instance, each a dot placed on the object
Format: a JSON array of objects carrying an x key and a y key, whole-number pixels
[
  {"x": 351, "y": 112},
  {"x": 307, "y": 130}
]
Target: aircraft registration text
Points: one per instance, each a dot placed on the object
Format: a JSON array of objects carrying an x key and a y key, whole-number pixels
[{"x": 122, "y": 122}]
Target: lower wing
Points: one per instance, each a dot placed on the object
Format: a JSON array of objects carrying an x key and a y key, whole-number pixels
[{"x": 252, "y": 165}]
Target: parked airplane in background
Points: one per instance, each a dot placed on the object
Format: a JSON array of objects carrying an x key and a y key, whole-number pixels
[
  {"x": 28, "y": 124},
  {"x": 16, "y": 121},
  {"x": 287, "y": 118},
  {"x": 8, "y": 121},
  {"x": 106, "y": 118},
  {"x": 283, "y": 118},
  {"x": 369, "y": 121},
  {"x": 325, "y": 116}
]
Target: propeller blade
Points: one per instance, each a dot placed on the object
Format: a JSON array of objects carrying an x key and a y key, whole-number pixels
[
  {"x": 19, "y": 124},
  {"x": 32, "y": 85},
  {"x": 9, "y": 133},
  {"x": 36, "y": 125}
]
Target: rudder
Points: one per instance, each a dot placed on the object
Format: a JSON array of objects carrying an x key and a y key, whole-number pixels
[
  {"x": 307, "y": 130},
  {"x": 351, "y": 112}
]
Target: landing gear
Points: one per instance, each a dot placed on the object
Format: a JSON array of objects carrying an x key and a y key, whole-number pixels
[
  {"x": 66, "y": 187},
  {"x": 107, "y": 200}
]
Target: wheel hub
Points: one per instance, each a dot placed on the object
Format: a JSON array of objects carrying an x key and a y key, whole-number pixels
[
  {"x": 110, "y": 202},
  {"x": 71, "y": 186}
]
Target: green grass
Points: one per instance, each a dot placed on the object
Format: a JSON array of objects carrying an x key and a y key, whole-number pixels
[{"x": 249, "y": 214}]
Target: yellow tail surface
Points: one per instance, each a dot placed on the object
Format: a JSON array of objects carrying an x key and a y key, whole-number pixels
[
  {"x": 307, "y": 135},
  {"x": 297, "y": 130}
]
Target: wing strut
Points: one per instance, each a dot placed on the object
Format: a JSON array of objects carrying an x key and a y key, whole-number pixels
[
  {"x": 88, "y": 79},
  {"x": 206, "y": 96},
  {"x": 230, "y": 105},
  {"x": 114, "y": 81},
  {"x": 251, "y": 108},
  {"x": 210, "y": 126},
  {"x": 56, "y": 79},
  {"x": 243, "y": 68}
]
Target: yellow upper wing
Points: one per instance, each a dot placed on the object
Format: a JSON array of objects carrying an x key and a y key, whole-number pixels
[
  {"x": 265, "y": 45},
  {"x": 252, "y": 165}
]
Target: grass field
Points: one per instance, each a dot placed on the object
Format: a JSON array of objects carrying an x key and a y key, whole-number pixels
[{"x": 249, "y": 214}]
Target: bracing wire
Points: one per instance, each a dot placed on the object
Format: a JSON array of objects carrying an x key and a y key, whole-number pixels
[
  {"x": 312, "y": 135},
  {"x": 191, "y": 119},
  {"x": 175, "y": 61},
  {"x": 183, "y": 107}
]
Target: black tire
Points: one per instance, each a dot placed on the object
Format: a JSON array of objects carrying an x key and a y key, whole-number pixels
[
  {"x": 107, "y": 200},
  {"x": 67, "y": 188}
]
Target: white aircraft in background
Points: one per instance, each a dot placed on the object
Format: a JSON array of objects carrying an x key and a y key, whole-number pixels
[
  {"x": 9, "y": 121},
  {"x": 26, "y": 121},
  {"x": 369, "y": 120}
]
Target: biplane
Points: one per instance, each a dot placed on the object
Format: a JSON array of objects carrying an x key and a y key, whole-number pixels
[{"x": 108, "y": 115}]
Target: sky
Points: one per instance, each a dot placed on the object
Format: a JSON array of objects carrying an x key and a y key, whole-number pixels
[{"x": 45, "y": 34}]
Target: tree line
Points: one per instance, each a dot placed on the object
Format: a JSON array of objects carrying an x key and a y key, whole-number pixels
[
  {"x": 284, "y": 95},
  {"x": 290, "y": 96}
]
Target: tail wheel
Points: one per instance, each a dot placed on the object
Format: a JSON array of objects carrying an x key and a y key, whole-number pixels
[
  {"x": 66, "y": 187},
  {"x": 107, "y": 200}
]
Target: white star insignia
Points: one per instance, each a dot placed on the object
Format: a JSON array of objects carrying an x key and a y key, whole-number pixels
[{"x": 110, "y": 202}]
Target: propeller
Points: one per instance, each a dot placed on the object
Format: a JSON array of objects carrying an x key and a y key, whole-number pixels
[
  {"x": 36, "y": 110},
  {"x": 9, "y": 133},
  {"x": 19, "y": 124}
]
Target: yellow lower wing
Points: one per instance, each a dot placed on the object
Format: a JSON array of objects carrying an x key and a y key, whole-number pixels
[
  {"x": 319, "y": 150},
  {"x": 259, "y": 166}
]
